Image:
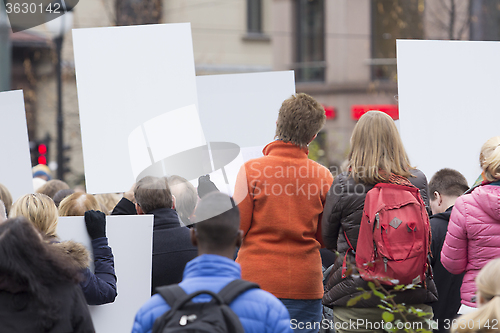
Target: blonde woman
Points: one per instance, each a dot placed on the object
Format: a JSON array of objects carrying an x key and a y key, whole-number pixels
[
  {"x": 98, "y": 288},
  {"x": 473, "y": 237},
  {"x": 377, "y": 155},
  {"x": 486, "y": 318}
]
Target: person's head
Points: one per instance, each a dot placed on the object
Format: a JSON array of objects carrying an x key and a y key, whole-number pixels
[
  {"x": 29, "y": 264},
  {"x": 40, "y": 210},
  {"x": 77, "y": 204},
  {"x": 300, "y": 118},
  {"x": 41, "y": 171},
  {"x": 445, "y": 187},
  {"x": 51, "y": 187},
  {"x": 185, "y": 195},
  {"x": 489, "y": 159},
  {"x": 107, "y": 201},
  {"x": 217, "y": 224},
  {"x": 6, "y": 197},
  {"x": 377, "y": 149},
  {"x": 152, "y": 193},
  {"x": 60, "y": 195},
  {"x": 488, "y": 300}
]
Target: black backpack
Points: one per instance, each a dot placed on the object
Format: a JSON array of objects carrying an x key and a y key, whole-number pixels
[{"x": 206, "y": 317}]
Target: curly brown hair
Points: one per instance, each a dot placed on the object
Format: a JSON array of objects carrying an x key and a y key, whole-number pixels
[{"x": 300, "y": 118}]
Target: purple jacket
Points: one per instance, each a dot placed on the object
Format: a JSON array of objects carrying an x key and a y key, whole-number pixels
[{"x": 473, "y": 237}]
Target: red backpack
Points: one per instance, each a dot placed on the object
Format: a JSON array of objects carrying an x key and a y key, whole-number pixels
[{"x": 394, "y": 235}]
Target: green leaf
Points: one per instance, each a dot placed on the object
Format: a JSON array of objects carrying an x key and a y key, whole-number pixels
[
  {"x": 354, "y": 300},
  {"x": 367, "y": 295},
  {"x": 371, "y": 285},
  {"x": 387, "y": 317},
  {"x": 378, "y": 294},
  {"x": 399, "y": 287}
]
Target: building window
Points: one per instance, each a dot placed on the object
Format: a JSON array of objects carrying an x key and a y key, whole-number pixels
[
  {"x": 485, "y": 20},
  {"x": 310, "y": 41},
  {"x": 132, "y": 12},
  {"x": 391, "y": 20},
  {"x": 254, "y": 16}
]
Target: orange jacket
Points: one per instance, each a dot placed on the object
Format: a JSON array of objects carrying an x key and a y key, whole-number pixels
[{"x": 281, "y": 197}]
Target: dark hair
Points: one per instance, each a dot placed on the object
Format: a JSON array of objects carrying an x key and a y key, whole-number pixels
[
  {"x": 53, "y": 186},
  {"x": 29, "y": 264},
  {"x": 300, "y": 118},
  {"x": 153, "y": 193},
  {"x": 448, "y": 182},
  {"x": 61, "y": 194},
  {"x": 217, "y": 221},
  {"x": 186, "y": 197}
]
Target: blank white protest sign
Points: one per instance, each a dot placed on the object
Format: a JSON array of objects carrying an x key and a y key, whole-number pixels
[
  {"x": 125, "y": 77},
  {"x": 449, "y": 102},
  {"x": 15, "y": 170},
  {"x": 241, "y": 109},
  {"x": 130, "y": 238}
]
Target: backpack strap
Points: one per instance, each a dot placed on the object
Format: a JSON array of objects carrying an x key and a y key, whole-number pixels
[
  {"x": 235, "y": 288},
  {"x": 171, "y": 294},
  {"x": 350, "y": 249}
]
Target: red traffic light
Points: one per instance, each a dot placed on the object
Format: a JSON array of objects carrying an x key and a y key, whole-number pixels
[
  {"x": 42, "y": 149},
  {"x": 42, "y": 159}
]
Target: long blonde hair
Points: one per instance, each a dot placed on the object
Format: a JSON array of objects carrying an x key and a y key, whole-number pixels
[
  {"x": 377, "y": 149},
  {"x": 489, "y": 158},
  {"x": 40, "y": 210},
  {"x": 488, "y": 289}
]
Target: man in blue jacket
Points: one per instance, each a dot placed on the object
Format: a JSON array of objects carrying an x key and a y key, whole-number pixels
[{"x": 217, "y": 234}]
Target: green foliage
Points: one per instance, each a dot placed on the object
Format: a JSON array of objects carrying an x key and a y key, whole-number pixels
[{"x": 395, "y": 313}]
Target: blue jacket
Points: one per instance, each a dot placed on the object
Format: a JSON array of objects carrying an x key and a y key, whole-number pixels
[
  {"x": 258, "y": 310},
  {"x": 100, "y": 287}
]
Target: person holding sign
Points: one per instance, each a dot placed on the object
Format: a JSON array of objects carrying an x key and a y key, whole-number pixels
[
  {"x": 98, "y": 288},
  {"x": 281, "y": 197}
]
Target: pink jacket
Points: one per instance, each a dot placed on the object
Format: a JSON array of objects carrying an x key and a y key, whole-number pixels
[{"x": 473, "y": 237}]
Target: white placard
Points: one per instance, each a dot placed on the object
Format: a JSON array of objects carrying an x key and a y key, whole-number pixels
[
  {"x": 241, "y": 109},
  {"x": 127, "y": 76},
  {"x": 448, "y": 102},
  {"x": 130, "y": 238},
  {"x": 15, "y": 171},
  {"x": 160, "y": 137}
]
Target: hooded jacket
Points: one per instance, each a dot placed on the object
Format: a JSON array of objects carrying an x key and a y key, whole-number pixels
[
  {"x": 258, "y": 310},
  {"x": 98, "y": 287},
  {"x": 473, "y": 237},
  {"x": 343, "y": 211}
]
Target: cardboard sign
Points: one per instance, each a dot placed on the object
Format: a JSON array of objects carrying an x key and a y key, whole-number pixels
[
  {"x": 15, "y": 171},
  {"x": 130, "y": 238}
]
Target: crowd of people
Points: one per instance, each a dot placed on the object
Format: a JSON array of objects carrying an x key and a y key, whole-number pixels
[{"x": 292, "y": 228}]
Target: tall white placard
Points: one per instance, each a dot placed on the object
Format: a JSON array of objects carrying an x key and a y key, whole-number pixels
[
  {"x": 15, "y": 169},
  {"x": 127, "y": 76},
  {"x": 130, "y": 238},
  {"x": 448, "y": 102}
]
